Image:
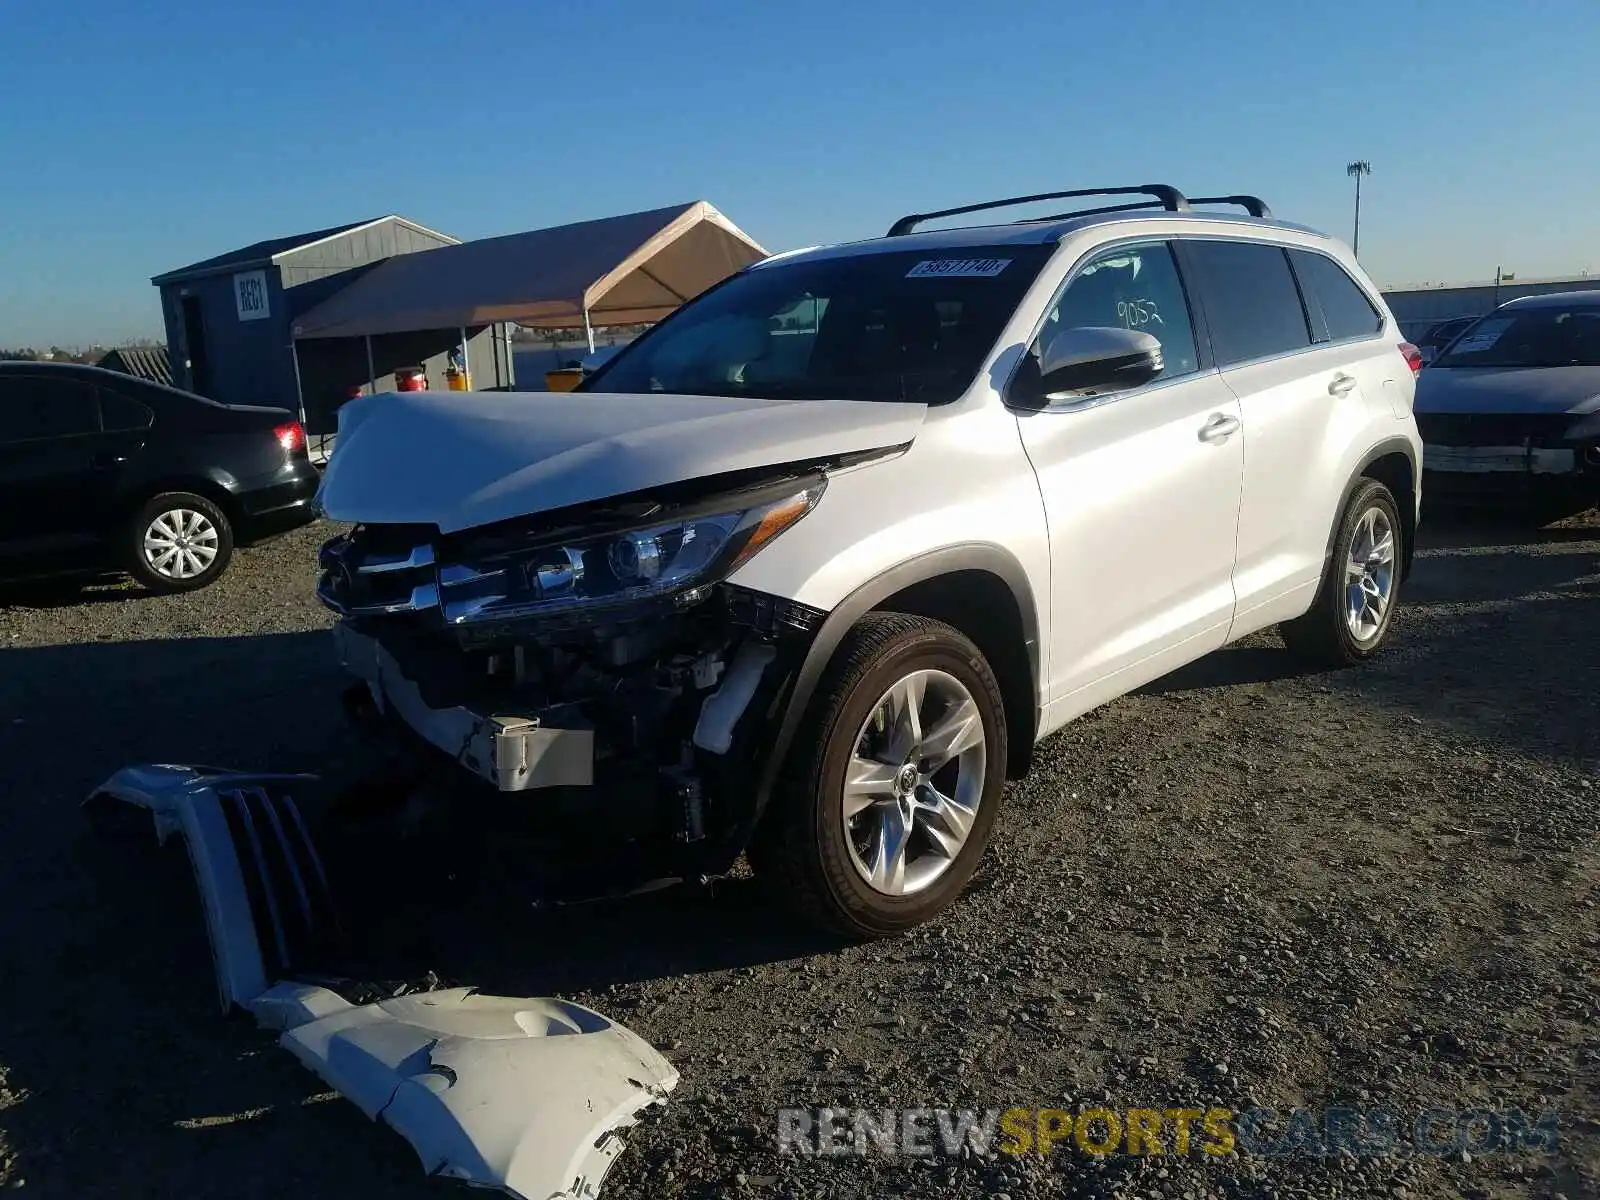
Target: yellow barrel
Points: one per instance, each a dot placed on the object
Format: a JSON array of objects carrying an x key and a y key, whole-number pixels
[
  {"x": 564, "y": 379},
  {"x": 457, "y": 381}
]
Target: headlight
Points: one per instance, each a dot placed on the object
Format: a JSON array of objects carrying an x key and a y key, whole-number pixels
[{"x": 678, "y": 558}]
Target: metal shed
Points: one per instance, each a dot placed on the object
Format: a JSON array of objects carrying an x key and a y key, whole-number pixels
[{"x": 228, "y": 319}]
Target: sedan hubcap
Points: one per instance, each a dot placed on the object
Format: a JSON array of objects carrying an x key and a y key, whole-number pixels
[
  {"x": 915, "y": 780},
  {"x": 180, "y": 543},
  {"x": 1369, "y": 575}
]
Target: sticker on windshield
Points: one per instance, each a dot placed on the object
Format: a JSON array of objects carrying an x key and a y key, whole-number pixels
[
  {"x": 1482, "y": 336},
  {"x": 958, "y": 268}
]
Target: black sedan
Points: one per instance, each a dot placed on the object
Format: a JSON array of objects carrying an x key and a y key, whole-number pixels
[{"x": 99, "y": 470}]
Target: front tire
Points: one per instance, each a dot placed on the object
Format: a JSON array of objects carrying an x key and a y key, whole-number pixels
[
  {"x": 178, "y": 542},
  {"x": 884, "y": 812},
  {"x": 1350, "y": 619}
]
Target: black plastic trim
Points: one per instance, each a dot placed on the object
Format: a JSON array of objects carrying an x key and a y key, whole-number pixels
[
  {"x": 1413, "y": 517},
  {"x": 1169, "y": 197},
  {"x": 970, "y": 556},
  {"x": 1254, "y": 205}
]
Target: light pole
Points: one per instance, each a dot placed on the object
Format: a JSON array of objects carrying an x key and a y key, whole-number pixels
[{"x": 1358, "y": 169}]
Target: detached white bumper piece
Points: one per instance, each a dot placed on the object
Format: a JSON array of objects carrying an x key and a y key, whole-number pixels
[
  {"x": 262, "y": 884},
  {"x": 525, "y": 1095},
  {"x": 520, "y": 1094}
]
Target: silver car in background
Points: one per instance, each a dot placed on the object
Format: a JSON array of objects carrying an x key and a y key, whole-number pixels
[{"x": 1510, "y": 412}]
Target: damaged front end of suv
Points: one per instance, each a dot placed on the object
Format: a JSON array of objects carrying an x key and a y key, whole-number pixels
[{"x": 594, "y": 654}]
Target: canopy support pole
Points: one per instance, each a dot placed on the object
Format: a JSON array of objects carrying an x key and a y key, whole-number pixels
[
  {"x": 466, "y": 363},
  {"x": 299, "y": 391},
  {"x": 372, "y": 374},
  {"x": 588, "y": 330}
]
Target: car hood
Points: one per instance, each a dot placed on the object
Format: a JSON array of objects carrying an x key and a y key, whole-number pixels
[
  {"x": 459, "y": 461},
  {"x": 1538, "y": 390}
]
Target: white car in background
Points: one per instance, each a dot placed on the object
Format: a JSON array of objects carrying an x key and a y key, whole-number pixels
[{"x": 816, "y": 596}]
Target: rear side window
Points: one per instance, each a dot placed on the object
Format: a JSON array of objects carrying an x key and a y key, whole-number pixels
[
  {"x": 33, "y": 407},
  {"x": 1345, "y": 307},
  {"x": 1251, "y": 301},
  {"x": 121, "y": 413}
]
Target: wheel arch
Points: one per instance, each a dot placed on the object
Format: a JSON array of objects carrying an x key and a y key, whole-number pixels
[
  {"x": 1392, "y": 464},
  {"x": 987, "y": 592},
  {"x": 212, "y": 488}
]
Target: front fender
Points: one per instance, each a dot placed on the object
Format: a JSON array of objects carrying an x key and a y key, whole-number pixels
[{"x": 777, "y": 716}]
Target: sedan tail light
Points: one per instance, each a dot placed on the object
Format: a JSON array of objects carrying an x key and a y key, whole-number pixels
[
  {"x": 1413, "y": 356},
  {"x": 291, "y": 436}
]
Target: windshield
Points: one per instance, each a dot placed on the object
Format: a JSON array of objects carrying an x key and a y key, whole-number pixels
[
  {"x": 911, "y": 325},
  {"x": 1534, "y": 337}
]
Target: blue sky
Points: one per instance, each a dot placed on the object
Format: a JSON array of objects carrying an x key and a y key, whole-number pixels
[{"x": 138, "y": 137}]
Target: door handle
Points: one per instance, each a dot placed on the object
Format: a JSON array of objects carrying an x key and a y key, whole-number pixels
[
  {"x": 1219, "y": 428},
  {"x": 1341, "y": 384},
  {"x": 104, "y": 460}
]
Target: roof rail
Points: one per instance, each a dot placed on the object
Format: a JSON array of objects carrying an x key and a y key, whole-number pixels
[
  {"x": 1170, "y": 198},
  {"x": 1254, "y": 205}
]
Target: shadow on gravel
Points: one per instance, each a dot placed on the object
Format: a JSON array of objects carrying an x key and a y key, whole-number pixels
[
  {"x": 1227, "y": 667},
  {"x": 110, "y": 1026},
  {"x": 1456, "y": 526},
  {"x": 1484, "y": 642},
  {"x": 69, "y": 591},
  {"x": 117, "y": 1023},
  {"x": 1489, "y": 643},
  {"x": 110, "y": 1020}
]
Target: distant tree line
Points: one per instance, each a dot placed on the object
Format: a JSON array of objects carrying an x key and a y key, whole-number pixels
[
  {"x": 76, "y": 354},
  {"x": 557, "y": 337},
  {"x": 54, "y": 354}
]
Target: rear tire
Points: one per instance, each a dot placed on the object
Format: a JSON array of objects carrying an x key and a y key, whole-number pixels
[
  {"x": 178, "y": 542},
  {"x": 1350, "y": 619},
  {"x": 825, "y": 849}
]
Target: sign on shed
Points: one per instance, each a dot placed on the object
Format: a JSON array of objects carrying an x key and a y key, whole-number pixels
[{"x": 250, "y": 295}]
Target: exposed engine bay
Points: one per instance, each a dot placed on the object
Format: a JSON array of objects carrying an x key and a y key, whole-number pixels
[{"x": 595, "y": 656}]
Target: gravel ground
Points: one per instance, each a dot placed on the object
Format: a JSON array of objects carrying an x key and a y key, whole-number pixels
[{"x": 1242, "y": 887}]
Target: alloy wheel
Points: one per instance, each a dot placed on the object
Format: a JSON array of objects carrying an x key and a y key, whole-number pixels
[
  {"x": 1369, "y": 575},
  {"x": 914, "y": 783}
]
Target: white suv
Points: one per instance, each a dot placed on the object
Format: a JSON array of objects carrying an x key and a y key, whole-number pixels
[{"x": 809, "y": 568}]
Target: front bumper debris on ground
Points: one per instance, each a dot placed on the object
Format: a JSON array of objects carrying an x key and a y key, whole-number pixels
[{"x": 527, "y": 1095}]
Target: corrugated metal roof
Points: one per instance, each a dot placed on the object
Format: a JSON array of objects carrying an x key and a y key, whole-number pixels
[
  {"x": 143, "y": 362},
  {"x": 258, "y": 252}
]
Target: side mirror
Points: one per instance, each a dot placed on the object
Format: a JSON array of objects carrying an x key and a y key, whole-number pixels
[{"x": 1091, "y": 360}]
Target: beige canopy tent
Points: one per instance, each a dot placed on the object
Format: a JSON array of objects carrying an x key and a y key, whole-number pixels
[{"x": 617, "y": 270}]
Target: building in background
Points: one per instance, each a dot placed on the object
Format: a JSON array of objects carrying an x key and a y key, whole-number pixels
[
  {"x": 228, "y": 322},
  {"x": 308, "y": 322},
  {"x": 1417, "y": 308}
]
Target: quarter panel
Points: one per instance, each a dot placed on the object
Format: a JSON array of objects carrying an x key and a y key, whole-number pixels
[{"x": 1302, "y": 444}]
